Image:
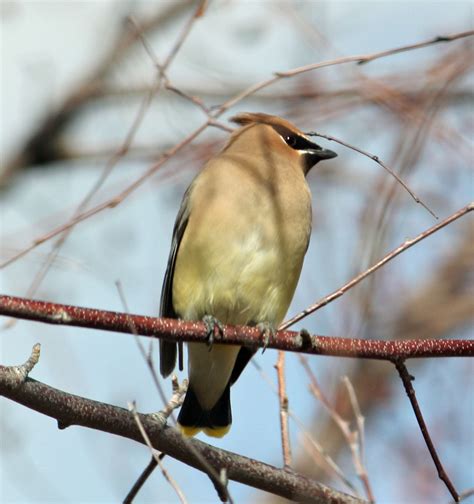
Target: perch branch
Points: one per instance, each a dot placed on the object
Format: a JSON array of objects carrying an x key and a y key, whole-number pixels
[{"x": 196, "y": 331}]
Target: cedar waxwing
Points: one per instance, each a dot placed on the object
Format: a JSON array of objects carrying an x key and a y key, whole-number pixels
[{"x": 236, "y": 255}]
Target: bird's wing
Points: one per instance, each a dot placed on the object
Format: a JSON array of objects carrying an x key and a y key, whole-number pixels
[{"x": 168, "y": 348}]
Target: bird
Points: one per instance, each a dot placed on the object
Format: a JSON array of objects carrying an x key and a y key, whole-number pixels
[{"x": 236, "y": 255}]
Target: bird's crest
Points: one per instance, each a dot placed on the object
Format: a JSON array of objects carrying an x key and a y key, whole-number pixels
[{"x": 247, "y": 118}]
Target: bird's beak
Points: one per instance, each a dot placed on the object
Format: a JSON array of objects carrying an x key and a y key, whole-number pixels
[
  {"x": 314, "y": 153},
  {"x": 318, "y": 153}
]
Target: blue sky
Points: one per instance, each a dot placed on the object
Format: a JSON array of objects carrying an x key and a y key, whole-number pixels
[{"x": 47, "y": 47}]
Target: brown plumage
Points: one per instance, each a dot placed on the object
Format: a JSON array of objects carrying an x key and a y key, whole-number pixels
[{"x": 238, "y": 247}]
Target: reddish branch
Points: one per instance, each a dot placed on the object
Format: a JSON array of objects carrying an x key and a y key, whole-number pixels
[{"x": 178, "y": 330}]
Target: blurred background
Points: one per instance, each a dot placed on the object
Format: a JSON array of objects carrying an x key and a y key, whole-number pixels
[{"x": 81, "y": 107}]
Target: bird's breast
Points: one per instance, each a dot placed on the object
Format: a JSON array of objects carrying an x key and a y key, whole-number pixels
[{"x": 241, "y": 258}]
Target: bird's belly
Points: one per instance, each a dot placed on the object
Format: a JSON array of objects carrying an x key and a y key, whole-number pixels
[{"x": 252, "y": 281}]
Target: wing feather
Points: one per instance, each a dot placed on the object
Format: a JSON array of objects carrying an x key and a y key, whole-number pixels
[{"x": 168, "y": 349}]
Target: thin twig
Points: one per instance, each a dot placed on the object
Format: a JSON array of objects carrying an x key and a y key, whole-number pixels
[
  {"x": 147, "y": 357},
  {"x": 200, "y": 104},
  {"x": 110, "y": 203},
  {"x": 360, "y": 459},
  {"x": 123, "y": 149},
  {"x": 198, "y": 12},
  {"x": 366, "y": 58},
  {"x": 218, "y": 112},
  {"x": 329, "y": 465},
  {"x": 391, "y": 255},
  {"x": 283, "y": 401},
  {"x": 338, "y": 61},
  {"x": 407, "y": 383},
  {"x": 146, "y": 45},
  {"x": 378, "y": 161},
  {"x": 175, "y": 401},
  {"x": 317, "y": 452},
  {"x": 352, "y": 438},
  {"x": 137, "y": 486},
  {"x": 156, "y": 455}
]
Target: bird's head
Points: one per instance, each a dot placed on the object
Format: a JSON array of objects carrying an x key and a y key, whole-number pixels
[{"x": 279, "y": 135}]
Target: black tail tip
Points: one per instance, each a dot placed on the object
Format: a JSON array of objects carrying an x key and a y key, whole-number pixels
[{"x": 193, "y": 419}]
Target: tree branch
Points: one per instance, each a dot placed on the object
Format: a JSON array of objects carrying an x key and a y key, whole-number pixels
[
  {"x": 69, "y": 409},
  {"x": 190, "y": 331}
]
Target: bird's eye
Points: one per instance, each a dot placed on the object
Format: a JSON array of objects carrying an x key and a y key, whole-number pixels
[{"x": 291, "y": 140}]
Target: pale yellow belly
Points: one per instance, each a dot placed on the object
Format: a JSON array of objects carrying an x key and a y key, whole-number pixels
[{"x": 245, "y": 285}]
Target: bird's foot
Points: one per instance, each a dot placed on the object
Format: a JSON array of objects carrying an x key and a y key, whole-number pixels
[
  {"x": 212, "y": 325},
  {"x": 267, "y": 332},
  {"x": 306, "y": 339}
]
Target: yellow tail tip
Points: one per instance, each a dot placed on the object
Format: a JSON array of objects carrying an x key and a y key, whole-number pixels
[
  {"x": 216, "y": 432},
  {"x": 188, "y": 431}
]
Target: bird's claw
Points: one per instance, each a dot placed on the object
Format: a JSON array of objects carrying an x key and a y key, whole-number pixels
[
  {"x": 306, "y": 339},
  {"x": 212, "y": 324},
  {"x": 267, "y": 332}
]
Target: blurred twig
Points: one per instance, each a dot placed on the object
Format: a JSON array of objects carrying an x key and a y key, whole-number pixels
[
  {"x": 407, "y": 379},
  {"x": 211, "y": 121},
  {"x": 353, "y": 438},
  {"x": 366, "y": 58},
  {"x": 283, "y": 400},
  {"x": 157, "y": 457},
  {"x": 42, "y": 145},
  {"x": 404, "y": 246},
  {"x": 110, "y": 203},
  {"x": 438, "y": 308},
  {"x": 319, "y": 455},
  {"x": 360, "y": 421},
  {"x": 147, "y": 356},
  {"x": 112, "y": 162},
  {"x": 409, "y": 150}
]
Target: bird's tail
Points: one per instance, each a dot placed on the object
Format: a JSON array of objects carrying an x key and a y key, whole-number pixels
[{"x": 215, "y": 422}]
